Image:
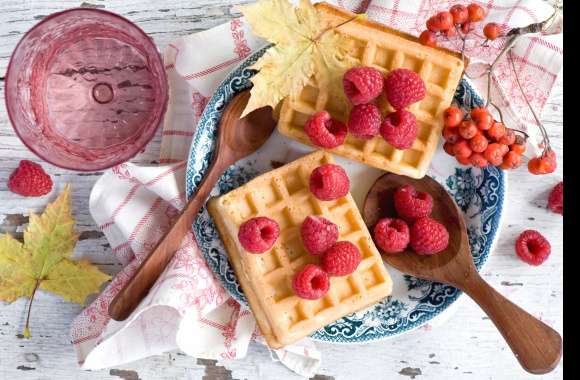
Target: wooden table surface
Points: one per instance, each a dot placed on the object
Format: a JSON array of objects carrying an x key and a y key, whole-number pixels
[{"x": 466, "y": 347}]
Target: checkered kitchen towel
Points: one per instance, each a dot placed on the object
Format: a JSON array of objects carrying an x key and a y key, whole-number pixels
[{"x": 188, "y": 308}]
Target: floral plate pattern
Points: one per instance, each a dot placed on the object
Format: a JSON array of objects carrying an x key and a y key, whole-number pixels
[{"x": 479, "y": 193}]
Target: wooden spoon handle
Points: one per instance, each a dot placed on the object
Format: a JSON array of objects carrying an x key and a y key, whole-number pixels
[
  {"x": 127, "y": 300},
  {"x": 536, "y": 345}
]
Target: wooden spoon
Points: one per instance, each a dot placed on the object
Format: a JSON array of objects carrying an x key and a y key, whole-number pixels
[
  {"x": 237, "y": 138},
  {"x": 537, "y": 346}
]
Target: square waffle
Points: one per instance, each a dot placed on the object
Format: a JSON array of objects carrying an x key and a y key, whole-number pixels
[
  {"x": 283, "y": 194},
  {"x": 385, "y": 49}
]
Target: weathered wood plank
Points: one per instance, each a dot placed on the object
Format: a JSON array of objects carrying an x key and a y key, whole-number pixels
[{"x": 468, "y": 346}]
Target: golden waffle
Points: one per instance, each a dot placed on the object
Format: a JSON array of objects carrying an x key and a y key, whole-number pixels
[
  {"x": 283, "y": 194},
  {"x": 385, "y": 49}
]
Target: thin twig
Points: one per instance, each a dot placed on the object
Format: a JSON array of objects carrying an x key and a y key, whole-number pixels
[{"x": 546, "y": 140}]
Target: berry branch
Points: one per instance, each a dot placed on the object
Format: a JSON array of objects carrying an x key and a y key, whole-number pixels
[{"x": 476, "y": 138}]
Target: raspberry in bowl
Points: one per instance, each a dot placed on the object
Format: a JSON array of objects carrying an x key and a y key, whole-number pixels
[{"x": 86, "y": 89}]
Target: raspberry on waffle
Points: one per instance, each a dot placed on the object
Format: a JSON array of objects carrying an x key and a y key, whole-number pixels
[
  {"x": 380, "y": 47},
  {"x": 283, "y": 195}
]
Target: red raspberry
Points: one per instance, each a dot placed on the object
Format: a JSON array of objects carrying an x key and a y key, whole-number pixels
[
  {"x": 318, "y": 234},
  {"x": 259, "y": 234},
  {"x": 556, "y": 199},
  {"x": 400, "y": 129},
  {"x": 364, "y": 121},
  {"x": 311, "y": 282},
  {"x": 29, "y": 180},
  {"x": 329, "y": 182},
  {"x": 428, "y": 236},
  {"x": 532, "y": 247},
  {"x": 412, "y": 204},
  {"x": 341, "y": 259},
  {"x": 324, "y": 131},
  {"x": 362, "y": 84},
  {"x": 404, "y": 87},
  {"x": 392, "y": 235}
]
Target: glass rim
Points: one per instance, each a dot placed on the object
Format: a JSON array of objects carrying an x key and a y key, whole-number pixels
[{"x": 156, "y": 56}]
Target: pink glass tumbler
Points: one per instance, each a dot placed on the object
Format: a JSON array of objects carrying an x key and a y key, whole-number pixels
[{"x": 86, "y": 89}]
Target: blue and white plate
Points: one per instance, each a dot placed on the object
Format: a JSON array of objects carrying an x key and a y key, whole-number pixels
[{"x": 414, "y": 302}]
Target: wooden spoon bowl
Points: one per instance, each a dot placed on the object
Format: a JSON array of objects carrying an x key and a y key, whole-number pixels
[
  {"x": 442, "y": 266},
  {"x": 537, "y": 346}
]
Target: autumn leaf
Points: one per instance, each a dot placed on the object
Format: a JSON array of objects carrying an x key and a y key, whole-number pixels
[
  {"x": 304, "y": 46},
  {"x": 43, "y": 261}
]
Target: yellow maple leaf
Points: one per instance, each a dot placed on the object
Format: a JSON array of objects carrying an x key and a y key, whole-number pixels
[
  {"x": 43, "y": 261},
  {"x": 304, "y": 46}
]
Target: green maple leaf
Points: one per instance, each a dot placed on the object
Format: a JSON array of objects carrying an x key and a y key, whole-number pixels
[
  {"x": 43, "y": 261},
  {"x": 304, "y": 46}
]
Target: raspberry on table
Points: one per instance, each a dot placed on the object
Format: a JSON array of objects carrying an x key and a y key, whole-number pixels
[
  {"x": 318, "y": 234},
  {"x": 29, "y": 180},
  {"x": 404, "y": 87},
  {"x": 364, "y": 121},
  {"x": 391, "y": 235},
  {"x": 324, "y": 131},
  {"x": 411, "y": 204},
  {"x": 341, "y": 259},
  {"x": 362, "y": 84},
  {"x": 400, "y": 129},
  {"x": 556, "y": 199},
  {"x": 329, "y": 182},
  {"x": 532, "y": 247},
  {"x": 428, "y": 236},
  {"x": 259, "y": 234},
  {"x": 311, "y": 282}
]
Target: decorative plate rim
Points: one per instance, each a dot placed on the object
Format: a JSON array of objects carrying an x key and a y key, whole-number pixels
[{"x": 211, "y": 116}]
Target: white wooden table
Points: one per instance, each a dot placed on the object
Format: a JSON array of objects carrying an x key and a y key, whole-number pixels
[{"x": 467, "y": 347}]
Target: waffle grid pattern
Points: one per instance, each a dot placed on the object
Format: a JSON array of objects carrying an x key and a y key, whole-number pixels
[
  {"x": 376, "y": 47},
  {"x": 284, "y": 196}
]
